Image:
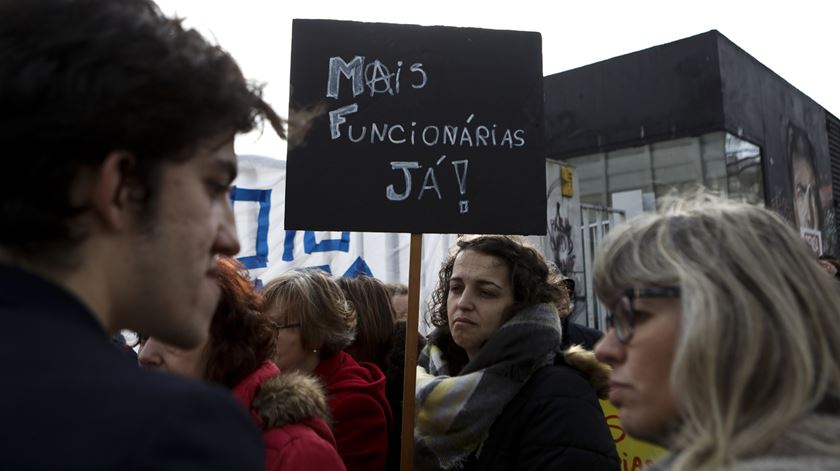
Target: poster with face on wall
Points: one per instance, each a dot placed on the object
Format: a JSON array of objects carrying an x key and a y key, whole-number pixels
[
  {"x": 810, "y": 189},
  {"x": 562, "y": 245},
  {"x": 813, "y": 238}
]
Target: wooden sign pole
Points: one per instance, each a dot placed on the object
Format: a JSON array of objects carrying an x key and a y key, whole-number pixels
[{"x": 411, "y": 332}]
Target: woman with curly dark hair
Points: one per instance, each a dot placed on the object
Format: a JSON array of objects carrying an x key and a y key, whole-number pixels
[
  {"x": 494, "y": 389},
  {"x": 290, "y": 408}
]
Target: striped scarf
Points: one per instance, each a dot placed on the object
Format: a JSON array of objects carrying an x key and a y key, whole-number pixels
[{"x": 455, "y": 413}]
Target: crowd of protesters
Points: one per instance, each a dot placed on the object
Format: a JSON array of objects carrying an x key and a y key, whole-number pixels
[{"x": 723, "y": 339}]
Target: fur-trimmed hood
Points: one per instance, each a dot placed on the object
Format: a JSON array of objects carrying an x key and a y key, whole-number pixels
[
  {"x": 276, "y": 399},
  {"x": 292, "y": 412},
  {"x": 596, "y": 372}
]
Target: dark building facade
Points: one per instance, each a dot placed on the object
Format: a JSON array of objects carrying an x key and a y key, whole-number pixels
[{"x": 696, "y": 111}]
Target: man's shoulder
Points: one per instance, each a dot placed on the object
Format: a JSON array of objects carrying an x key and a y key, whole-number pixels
[
  {"x": 145, "y": 419},
  {"x": 92, "y": 408},
  {"x": 165, "y": 399},
  {"x": 196, "y": 419},
  {"x": 162, "y": 390}
]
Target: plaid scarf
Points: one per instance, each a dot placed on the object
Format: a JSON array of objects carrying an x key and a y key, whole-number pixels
[{"x": 455, "y": 413}]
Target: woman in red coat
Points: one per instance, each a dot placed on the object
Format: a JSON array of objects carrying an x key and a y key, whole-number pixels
[
  {"x": 315, "y": 323},
  {"x": 290, "y": 408}
]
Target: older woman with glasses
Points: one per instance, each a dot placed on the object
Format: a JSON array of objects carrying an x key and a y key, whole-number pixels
[
  {"x": 314, "y": 323},
  {"x": 724, "y": 338}
]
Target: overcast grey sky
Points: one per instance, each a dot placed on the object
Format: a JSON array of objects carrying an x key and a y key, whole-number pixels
[{"x": 798, "y": 40}]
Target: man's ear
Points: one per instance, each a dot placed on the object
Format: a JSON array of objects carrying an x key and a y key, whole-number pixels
[{"x": 110, "y": 195}]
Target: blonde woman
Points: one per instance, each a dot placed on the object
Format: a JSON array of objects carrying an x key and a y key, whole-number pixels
[{"x": 725, "y": 338}]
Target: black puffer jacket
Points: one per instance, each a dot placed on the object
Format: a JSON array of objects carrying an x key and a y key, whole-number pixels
[
  {"x": 554, "y": 423},
  {"x": 576, "y": 334}
]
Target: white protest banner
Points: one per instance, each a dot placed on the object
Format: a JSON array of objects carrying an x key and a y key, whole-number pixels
[{"x": 269, "y": 250}]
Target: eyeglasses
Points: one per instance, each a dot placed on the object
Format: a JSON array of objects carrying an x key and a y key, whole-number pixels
[{"x": 623, "y": 316}]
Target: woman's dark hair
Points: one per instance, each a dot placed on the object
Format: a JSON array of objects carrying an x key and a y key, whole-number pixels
[
  {"x": 241, "y": 336},
  {"x": 528, "y": 272},
  {"x": 374, "y": 318}
]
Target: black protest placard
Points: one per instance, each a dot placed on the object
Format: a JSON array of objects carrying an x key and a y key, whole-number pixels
[{"x": 415, "y": 129}]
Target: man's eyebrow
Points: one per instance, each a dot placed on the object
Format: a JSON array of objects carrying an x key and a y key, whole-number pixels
[{"x": 227, "y": 167}]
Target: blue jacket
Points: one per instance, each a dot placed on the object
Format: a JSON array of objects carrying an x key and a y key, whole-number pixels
[{"x": 71, "y": 400}]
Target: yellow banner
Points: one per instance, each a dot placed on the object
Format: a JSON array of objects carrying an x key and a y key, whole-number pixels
[{"x": 634, "y": 454}]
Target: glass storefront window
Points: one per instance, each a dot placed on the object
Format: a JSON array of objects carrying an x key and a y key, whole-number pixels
[
  {"x": 719, "y": 161},
  {"x": 743, "y": 169},
  {"x": 591, "y": 178}
]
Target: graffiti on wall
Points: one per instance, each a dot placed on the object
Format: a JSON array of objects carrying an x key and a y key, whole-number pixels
[
  {"x": 562, "y": 242},
  {"x": 810, "y": 189},
  {"x": 562, "y": 245}
]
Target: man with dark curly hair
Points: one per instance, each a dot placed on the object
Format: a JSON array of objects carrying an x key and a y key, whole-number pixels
[{"x": 117, "y": 128}]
